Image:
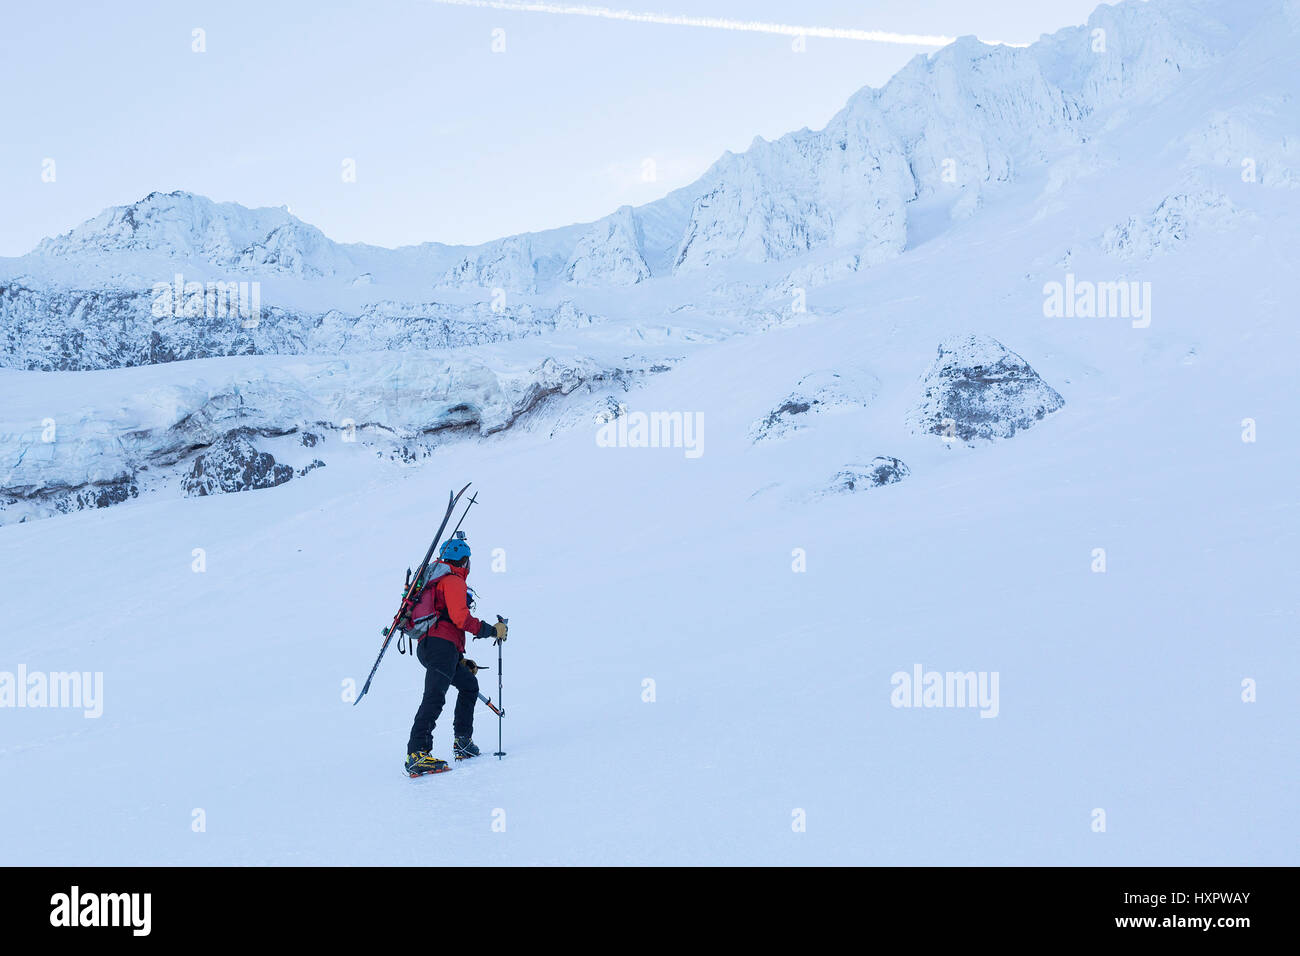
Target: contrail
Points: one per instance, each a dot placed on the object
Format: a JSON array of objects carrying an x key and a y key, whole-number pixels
[{"x": 712, "y": 23}]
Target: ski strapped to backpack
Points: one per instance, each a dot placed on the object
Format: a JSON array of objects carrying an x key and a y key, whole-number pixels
[
  {"x": 420, "y": 626},
  {"x": 412, "y": 590}
]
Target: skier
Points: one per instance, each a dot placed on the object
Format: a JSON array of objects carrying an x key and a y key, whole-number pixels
[{"x": 439, "y": 621}]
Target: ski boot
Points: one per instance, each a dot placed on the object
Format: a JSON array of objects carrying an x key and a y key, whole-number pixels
[
  {"x": 464, "y": 747},
  {"x": 418, "y": 764}
]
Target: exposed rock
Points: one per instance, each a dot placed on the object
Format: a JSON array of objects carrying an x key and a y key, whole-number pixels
[
  {"x": 611, "y": 410},
  {"x": 233, "y": 464},
  {"x": 404, "y": 453},
  {"x": 43, "y": 502},
  {"x": 976, "y": 388},
  {"x": 102, "y": 496},
  {"x": 882, "y": 470},
  {"x": 817, "y": 393}
]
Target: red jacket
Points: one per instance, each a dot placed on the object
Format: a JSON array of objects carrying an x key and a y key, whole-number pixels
[{"x": 446, "y": 595}]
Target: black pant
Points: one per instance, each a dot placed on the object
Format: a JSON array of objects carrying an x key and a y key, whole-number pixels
[{"x": 443, "y": 667}]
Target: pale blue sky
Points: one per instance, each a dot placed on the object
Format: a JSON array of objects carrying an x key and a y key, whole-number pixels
[{"x": 452, "y": 142}]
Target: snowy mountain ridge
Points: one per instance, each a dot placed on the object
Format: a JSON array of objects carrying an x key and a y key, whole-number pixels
[
  {"x": 183, "y": 226},
  {"x": 970, "y": 112}
]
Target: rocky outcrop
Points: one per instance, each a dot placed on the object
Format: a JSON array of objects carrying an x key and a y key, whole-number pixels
[
  {"x": 232, "y": 464},
  {"x": 976, "y": 389},
  {"x": 817, "y": 393},
  {"x": 882, "y": 470}
]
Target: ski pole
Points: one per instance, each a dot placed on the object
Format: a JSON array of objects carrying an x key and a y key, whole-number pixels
[
  {"x": 500, "y": 713},
  {"x": 472, "y": 498}
]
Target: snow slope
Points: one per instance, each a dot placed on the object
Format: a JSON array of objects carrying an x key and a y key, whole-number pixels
[{"x": 1119, "y": 691}]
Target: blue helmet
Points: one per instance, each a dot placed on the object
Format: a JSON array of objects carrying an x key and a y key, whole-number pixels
[{"x": 454, "y": 549}]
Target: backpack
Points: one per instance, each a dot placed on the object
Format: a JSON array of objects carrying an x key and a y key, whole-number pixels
[{"x": 420, "y": 626}]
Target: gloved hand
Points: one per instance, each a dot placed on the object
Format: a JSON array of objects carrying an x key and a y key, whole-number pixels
[
  {"x": 473, "y": 668},
  {"x": 495, "y": 631}
]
